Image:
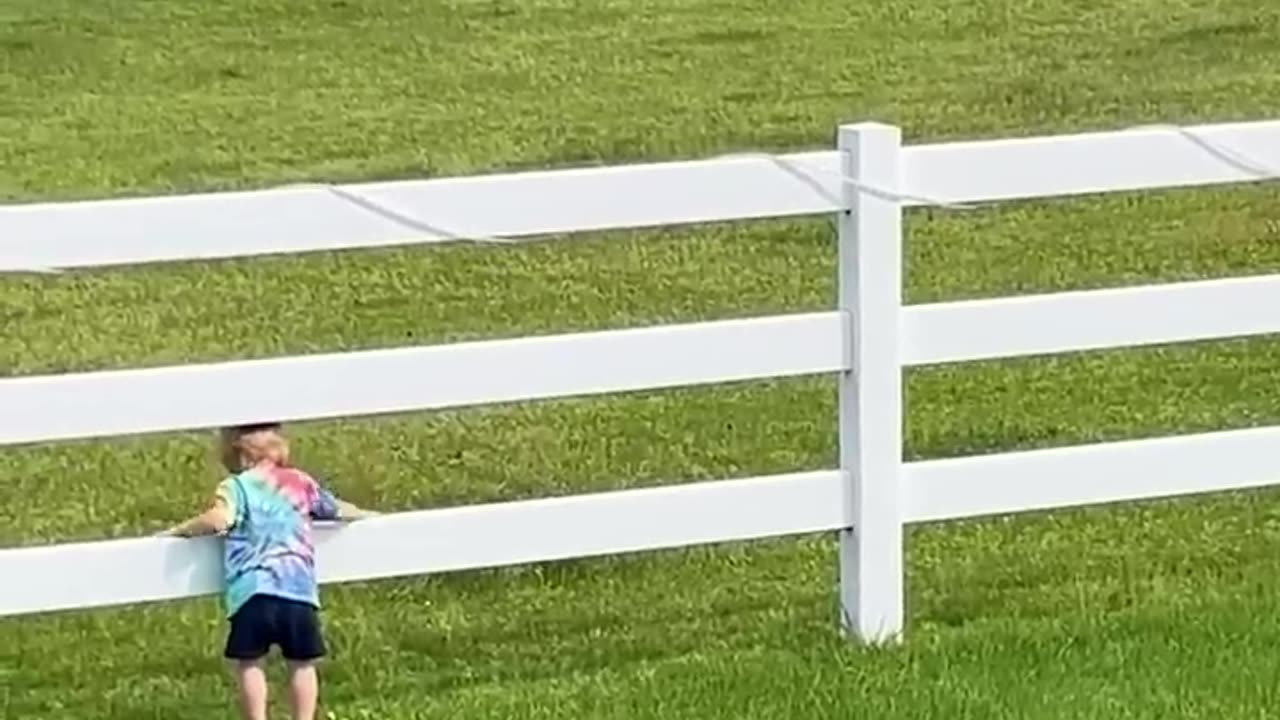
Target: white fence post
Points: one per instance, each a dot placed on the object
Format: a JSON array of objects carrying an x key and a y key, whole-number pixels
[{"x": 870, "y": 293}]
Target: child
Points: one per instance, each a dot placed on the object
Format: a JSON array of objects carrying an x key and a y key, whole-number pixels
[{"x": 265, "y": 508}]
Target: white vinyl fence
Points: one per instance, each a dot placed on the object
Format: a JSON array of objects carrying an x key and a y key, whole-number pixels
[{"x": 866, "y": 339}]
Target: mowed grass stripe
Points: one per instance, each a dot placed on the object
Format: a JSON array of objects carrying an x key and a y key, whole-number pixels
[
  {"x": 124, "y": 96},
  {"x": 1145, "y": 610}
]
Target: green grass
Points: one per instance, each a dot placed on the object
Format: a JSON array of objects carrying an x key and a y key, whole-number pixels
[{"x": 1151, "y": 610}]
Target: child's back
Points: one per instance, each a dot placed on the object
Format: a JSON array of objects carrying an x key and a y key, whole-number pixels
[
  {"x": 265, "y": 508},
  {"x": 269, "y": 550}
]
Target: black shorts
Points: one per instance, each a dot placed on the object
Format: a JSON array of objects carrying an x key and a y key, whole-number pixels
[{"x": 266, "y": 620}]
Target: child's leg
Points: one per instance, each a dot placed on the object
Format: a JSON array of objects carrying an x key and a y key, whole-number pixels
[
  {"x": 247, "y": 643},
  {"x": 302, "y": 645},
  {"x": 252, "y": 679},
  {"x": 304, "y": 689}
]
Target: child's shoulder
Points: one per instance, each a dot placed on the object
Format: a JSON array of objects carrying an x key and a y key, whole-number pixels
[
  {"x": 258, "y": 480},
  {"x": 299, "y": 472},
  {"x": 290, "y": 476}
]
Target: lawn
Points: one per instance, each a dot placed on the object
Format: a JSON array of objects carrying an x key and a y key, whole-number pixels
[{"x": 1150, "y": 610}]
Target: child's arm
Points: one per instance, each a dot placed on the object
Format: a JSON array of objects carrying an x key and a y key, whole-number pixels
[
  {"x": 327, "y": 506},
  {"x": 214, "y": 521},
  {"x": 347, "y": 511}
]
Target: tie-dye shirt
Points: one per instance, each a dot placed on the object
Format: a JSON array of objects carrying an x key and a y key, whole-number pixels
[{"x": 269, "y": 549}]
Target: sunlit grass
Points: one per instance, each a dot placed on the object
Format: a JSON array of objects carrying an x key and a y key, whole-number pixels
[{"x": 1153, "y": 610}]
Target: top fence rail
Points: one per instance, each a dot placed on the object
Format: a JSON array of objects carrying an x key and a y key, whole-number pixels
[{"x": 298, "y": 219}]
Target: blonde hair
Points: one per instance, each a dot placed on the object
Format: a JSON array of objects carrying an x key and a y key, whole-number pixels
[{"x": 246, "y": 446}]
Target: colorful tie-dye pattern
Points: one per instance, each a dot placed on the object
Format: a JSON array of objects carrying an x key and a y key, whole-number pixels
[{"x": 269, "y": 549}]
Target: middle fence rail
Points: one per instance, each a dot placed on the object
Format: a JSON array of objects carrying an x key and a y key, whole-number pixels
[{"x": 866, "y": 341}]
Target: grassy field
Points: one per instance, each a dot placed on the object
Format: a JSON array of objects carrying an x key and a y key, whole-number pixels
[{"x": 1154, "y": 610}]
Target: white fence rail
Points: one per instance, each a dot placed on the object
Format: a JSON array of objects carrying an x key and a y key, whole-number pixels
[
  {"x": 302, "y": 219},
  {"x": 868, "y": 338}
]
